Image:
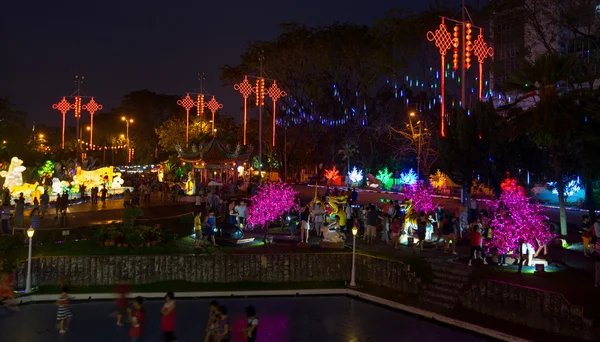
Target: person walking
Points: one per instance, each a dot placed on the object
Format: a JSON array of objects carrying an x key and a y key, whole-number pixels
[
  {"x": 197, "y": 229},
  {"x": 304, "y": 223},
  {"x": 34, "y": 219},
  {"x": 45, "y": 200},
  {"x": 103, "y": 193},
  {"x": 167, "y": 323},
  {"x": 476, "y": 240},
  {"x": 251, "y": 330},
  {"x": 212, "y": 326},
  {"x": 209, "y": 228},
  {"x": 372, "y": 217},
  {"x": 224, "y": 334},
  {"x": 20, "y": 212}
]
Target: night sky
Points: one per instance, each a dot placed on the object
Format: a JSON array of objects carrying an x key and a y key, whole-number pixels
[{"x": 126, "y": 45}]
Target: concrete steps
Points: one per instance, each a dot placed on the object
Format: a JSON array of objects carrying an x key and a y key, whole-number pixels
[{"x": 448, "y": 281}]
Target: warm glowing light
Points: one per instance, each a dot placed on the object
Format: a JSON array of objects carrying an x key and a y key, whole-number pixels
[
  {"x": 92, "y": 107},
  {"x": 122, "y": 136},
  {"x": 455, "y": 43},
  {"x": 30, "y": 232},
  {"x": 186, "y": 103},
  {"x": 332, "y": 174},
  {"x": 468, "y": 45},
  {"x": 213, "y": 106},
  {"x": 41, "y": 136},
  {"x": 443, "y": 42},
  {"x": 275, "y": 93},
  {"x": 63, "y": 107},
  {"x": 257, "y": 92},
  {"x": 354, "y": 231},
  {"x": 88, "y": 128},
  {"x": 245, "y": 89},
  {"x": 412, "y": 114},
  {"x": 262, "y": 91},
  {"x": 482, "y": 51},
  {"x": 77, "y": 106},
  {"x": 200, "y": 105}
]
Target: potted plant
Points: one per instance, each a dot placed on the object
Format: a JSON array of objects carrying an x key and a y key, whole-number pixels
[
  {"x": 134, "y": 239},
  {"x": 99, "y": 236},
  {"x": 113, "y": 235}
]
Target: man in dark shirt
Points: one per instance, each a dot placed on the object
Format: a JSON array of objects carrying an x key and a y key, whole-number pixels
[{"x": 372, "y": 217}]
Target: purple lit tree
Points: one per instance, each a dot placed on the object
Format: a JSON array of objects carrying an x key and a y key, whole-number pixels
[
  {"x": 269, "y": 202},
  {"x": 517, "y": 221},
  {"x": 421, "y": 194}
]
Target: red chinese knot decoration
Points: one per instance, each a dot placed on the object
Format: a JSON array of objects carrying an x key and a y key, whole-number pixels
[
  {"x": 443, "y": 41},
  {"x": 245, "y": 89},
  {"x": 482, "y": 51},
  {"x": 275, "y": 93},
  {"x": 186, "y": 103},
  {"x": 213, "y": 106}
]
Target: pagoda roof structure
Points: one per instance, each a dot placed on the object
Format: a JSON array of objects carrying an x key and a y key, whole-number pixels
[{"x": 214, "y": 154}]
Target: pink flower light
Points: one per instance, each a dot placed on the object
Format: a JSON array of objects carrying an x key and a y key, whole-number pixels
[
  {"x": 269, "y": 202},
  {"x": 517, "y": 221},
  {"x": 421, "y": 194}
]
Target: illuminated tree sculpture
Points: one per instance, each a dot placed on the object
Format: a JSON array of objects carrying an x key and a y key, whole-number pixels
[
  {"x": 408, "y": 178},
  {"x": 521, "y": 223},
  {"x": 421, "y": 195},
  {"x": 356, "y": 176},
  {"x": 46, "y": 171},
  {"x": 270, "y": 202},
  {"x": 332, "y": 174},
  {"x": 385, "y": 177}
]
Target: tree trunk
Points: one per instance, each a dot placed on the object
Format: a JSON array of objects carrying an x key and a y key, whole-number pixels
[
  {"x": 560, "y": 187},
  {"x": 520, "y": 257},
  {"x": 266, "y": 229}
]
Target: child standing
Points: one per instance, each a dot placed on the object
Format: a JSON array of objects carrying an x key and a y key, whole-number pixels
[
  {"x": 167, "y": 324},
  {"x": 212, "y": 326},
  {"x": 252, "y": 327},
  {"x": 64, "y": 314},
  {"x": 476, "y": 242},
  {"x": 197, "y": 229},
  {"x": 224, "y": 333},
  {"x": 138, "y": 319},
  {"x": 396, "y": 226},
  {"x": 122, "y": 290}
]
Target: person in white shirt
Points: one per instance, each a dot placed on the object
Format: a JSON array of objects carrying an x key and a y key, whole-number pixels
[
  {"x": 318, "y": 217},
  {"x": 241, "y": 212}
]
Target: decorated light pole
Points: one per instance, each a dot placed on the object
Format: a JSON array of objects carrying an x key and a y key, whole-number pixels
[
  {"x": 188, "y": 103},
  {"x": 129, "y": 151},
  {"x": 274, "y": 92},
  {"x": 462, "y": 48},
  {"x": 63, "y": 106}
]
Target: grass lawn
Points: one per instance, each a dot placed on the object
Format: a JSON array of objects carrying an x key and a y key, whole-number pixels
[{"x": 185, "y": 286}]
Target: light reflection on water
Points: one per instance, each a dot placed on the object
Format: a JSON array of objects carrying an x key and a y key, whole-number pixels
[{"x": 280, "y": 319}]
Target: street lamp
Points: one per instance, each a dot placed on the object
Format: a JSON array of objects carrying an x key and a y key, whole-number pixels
[
  {"x": 417, "y": 139},
  {"x": 30, "y": 233},
  {"x": 353, "y": 274},
  {"x": 127, "y": 122}
]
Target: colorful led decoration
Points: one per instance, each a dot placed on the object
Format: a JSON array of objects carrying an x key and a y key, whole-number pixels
[
  {"x": 421, "y": 195},
  {"x": 245, "y": 89},
  {"x": 92, "y": 107},
  {"x": 356, "y": 176},
  {"x": 332, "y": 174},
  {"x": 213, "y": 106},
  {"x": 186, "y": 103},
  {"x": 63, "y": 106},
  {"x": 275, "y": 93},
  {"x": 519, "y": 221},
  {"x": 482, "y": 51},
  {"x": 455, "y": 44},
  {"x": 468, "y": 45},
  {"x": 408, "y": 178},
  {"x": 262, "y": 91},
  {"x": 257, "y": 91},
  {"x": 385, "y": 177},
  {"x": 77, "y": 107},
  {"x": 443, "y": 42},
  {"x": 200, "y": 105},
  {"x": 270, "y": 201}
]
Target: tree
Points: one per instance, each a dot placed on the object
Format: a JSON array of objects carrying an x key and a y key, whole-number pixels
[
  {"x": 521, "y": 223},
  {"x": 421, "y": 195},
  {"x": 270, "y": 201},
  {"x": 171, "y": 133},
  {"x": 416, "y": 141},
  {"x": 332, "y": 174},
  {"x": 554, "y": 116}
]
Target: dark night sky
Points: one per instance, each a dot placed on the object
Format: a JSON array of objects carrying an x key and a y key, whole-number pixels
[{"x": 125, "y": 45}]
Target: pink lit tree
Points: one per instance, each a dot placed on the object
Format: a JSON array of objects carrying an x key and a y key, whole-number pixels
[
  {"x": 270, "y": 202},
  {"x": 517, "y": 221},
  {"x": 421, "y": 194}
]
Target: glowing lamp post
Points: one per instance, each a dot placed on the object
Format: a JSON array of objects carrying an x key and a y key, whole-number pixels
[
  {"x": 353, "y": 274},
  {"x": 30, "y": 233},
  {"x": 186, "y": 103},
  {"x": 245, "y": 89},
  {"x": 443, "y": 42},
  {"x": 213, "y": 106},
  {"x": 275, "y": 93}
]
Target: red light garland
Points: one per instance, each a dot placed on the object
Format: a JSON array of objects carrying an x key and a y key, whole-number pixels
[
  {"x": 468, "y": 46},
  {"x": 455, "y": 43},
  {"x": 275, "y": 93},
  {"x": 443, "y": 42},
  {"x": 200, "y": 104}
]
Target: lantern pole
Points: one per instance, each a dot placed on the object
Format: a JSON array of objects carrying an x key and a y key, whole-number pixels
[
  {"x": 275, "y": 93},
  {"x": 443, "y": 42},
  {"x": 63, "y": 107},
  {"x": 213, "y": 106},
  {"x": 463, "y": 64},
  {"x": 187, "y": 103},
  {"x": 245, "y": 89},
  {"x": 261, "y": 98},
  {"x": 482, "y": 51}
]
